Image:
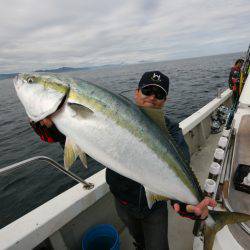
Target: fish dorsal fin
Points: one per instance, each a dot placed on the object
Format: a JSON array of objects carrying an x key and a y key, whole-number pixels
[
  {"x": 79, "y": 110},
  {"x": 157, "y": 115},
  {"x": 153, "y": 197},
  {"x": 71, "y": 152}
]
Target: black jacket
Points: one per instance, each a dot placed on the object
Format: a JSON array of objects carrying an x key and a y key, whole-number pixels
[{"x": 131, "y": 193}]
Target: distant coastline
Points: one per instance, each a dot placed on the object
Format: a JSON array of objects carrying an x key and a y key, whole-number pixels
[
  {"x": 58, "y": 70},
  {"x": 68, "y": 69},
  {"x": 6, "y": 76},
  {"x": 62, "y": 69}
]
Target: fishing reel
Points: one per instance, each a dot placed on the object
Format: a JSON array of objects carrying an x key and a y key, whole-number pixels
[
  {"x": 219, "y": 117},
  {"x": 215, "y": 127}
]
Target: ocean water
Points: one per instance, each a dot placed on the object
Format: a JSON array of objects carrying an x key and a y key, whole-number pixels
[{"x": 193, "y": 83}]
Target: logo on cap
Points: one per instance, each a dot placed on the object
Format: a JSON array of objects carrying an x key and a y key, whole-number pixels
[{"x": 156, "y": 77}]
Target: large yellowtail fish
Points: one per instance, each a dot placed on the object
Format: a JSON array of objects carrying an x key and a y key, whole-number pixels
[{"x": 118, "y": 134}]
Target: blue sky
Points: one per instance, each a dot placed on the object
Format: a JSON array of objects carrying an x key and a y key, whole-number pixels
[{"x": 54, "y": 33}]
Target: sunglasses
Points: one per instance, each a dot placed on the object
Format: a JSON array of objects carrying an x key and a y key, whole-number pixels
[{"x": 159, "y": 93}]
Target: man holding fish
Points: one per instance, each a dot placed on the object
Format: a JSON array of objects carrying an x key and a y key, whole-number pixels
[{"x": 148, "y": 226}]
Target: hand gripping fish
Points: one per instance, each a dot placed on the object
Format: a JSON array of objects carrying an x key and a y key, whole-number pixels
[{"x": 121, "y": 136}]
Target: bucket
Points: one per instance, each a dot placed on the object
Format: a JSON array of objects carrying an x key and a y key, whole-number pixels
[{"x": 101, "y": 237}]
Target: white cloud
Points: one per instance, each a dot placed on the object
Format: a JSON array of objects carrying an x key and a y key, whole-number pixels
[{"x": 47, "y": 34}]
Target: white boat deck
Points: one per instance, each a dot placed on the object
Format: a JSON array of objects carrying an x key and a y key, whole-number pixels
[{"x": 180, "y": 229}]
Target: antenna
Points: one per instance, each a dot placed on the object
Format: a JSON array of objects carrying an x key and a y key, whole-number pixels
[{"x": 125, "y": 91}]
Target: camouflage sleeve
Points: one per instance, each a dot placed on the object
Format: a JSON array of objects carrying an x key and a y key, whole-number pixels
[
  {"x": 50, "y": 135},
  {"x": 234, "y": 77}
]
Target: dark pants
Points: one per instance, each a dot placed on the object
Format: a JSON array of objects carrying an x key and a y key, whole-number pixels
[
  {"x": 235, "y": 96},
  {"x": 151, "y": 231}
]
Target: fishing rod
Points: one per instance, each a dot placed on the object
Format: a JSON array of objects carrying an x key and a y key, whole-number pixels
[{"x": 125, "y": 91}]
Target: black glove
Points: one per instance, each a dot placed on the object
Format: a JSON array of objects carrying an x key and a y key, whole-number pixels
[
  {"x": 51, "y": 134},
  {"x": 183, "y": 211}
]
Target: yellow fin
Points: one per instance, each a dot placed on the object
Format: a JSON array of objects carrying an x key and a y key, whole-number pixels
[
  {"x": 71, "y": 152},
  {"x": 83, "y": 157},
  {"x": 153, "y": 197}
]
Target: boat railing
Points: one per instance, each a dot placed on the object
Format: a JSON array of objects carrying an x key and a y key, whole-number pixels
[
  {"x": 197, "y": 127},
  {"x": 51, "y": 162},
  {"x": 220, "y": 91}
]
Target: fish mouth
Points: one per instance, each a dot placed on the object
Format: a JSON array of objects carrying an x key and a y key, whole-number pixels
[{"x": 48, "y": 95}]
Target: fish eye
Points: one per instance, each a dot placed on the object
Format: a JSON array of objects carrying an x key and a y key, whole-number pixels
[{"x": 29, "y": 80}]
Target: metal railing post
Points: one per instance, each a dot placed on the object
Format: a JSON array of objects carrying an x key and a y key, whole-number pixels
[{"x": 51, "y": 162}]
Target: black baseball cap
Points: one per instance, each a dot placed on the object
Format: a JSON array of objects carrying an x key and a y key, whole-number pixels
[{"x": 155, "y": 78}]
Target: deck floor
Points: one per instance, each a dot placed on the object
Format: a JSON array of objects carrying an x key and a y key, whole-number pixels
[{"x": 180, "y": 229}]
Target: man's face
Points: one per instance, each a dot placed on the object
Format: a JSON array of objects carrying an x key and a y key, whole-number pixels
[{"x": 148, "y": 101}]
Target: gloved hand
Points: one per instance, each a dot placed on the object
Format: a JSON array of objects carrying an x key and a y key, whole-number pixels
[
  {"x": 48, "y": 132},
  {"x": 198, "y": 212}
]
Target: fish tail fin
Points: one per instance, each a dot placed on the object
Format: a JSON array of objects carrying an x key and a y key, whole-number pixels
[{"x": 218, "y": 221}]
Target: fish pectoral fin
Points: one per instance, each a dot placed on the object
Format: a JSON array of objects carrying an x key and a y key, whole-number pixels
[
  {"x": 153, "y": 197},
  {"x": 80, "y": 110},
  {"x": 71, "y": 152}
]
